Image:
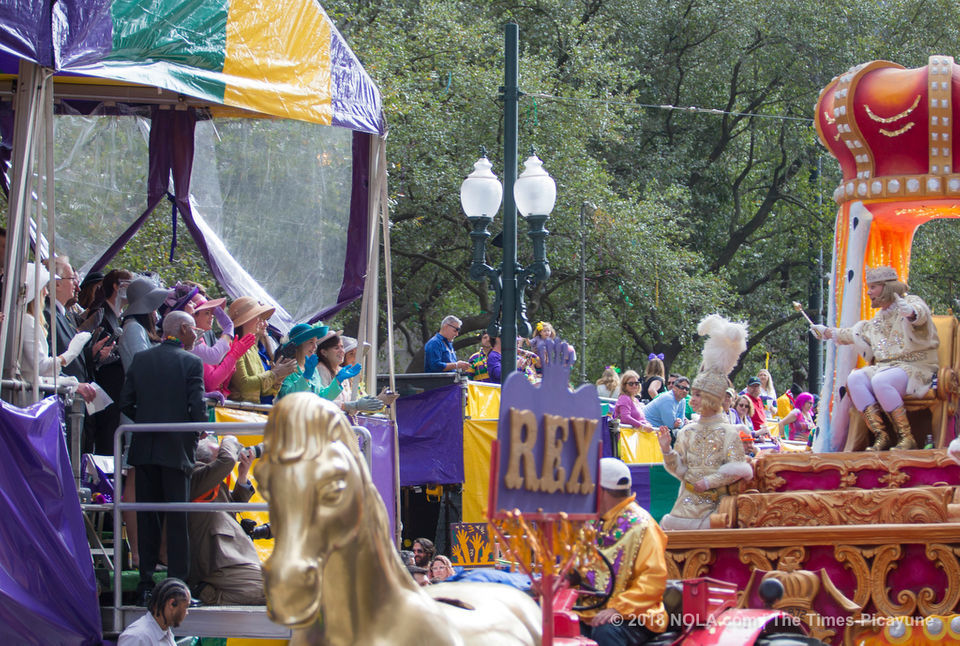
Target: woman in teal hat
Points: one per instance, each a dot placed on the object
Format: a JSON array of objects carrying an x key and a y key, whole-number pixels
[{"x": 302, "y": 346}]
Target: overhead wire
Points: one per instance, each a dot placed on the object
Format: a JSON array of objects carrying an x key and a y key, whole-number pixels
[{"x": 665, "y": 106}]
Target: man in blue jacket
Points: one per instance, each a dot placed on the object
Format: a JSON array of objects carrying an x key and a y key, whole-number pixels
[{"x": 438, "y": 353}]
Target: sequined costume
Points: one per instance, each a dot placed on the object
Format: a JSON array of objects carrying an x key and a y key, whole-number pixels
[
  {"x": 709, "y": 449},
  {"x": 636, "y": 547},
  {"x": 892, "y": 341}
]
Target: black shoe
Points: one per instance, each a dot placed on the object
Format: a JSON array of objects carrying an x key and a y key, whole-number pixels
[{"x": 143, "y": 597}]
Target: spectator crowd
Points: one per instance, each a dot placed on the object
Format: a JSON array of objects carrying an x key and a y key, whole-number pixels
[{"x": 138, "y": 351}]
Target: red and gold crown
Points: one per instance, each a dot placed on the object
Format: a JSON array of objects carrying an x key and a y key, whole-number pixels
[{"x": 892, "y": 129}]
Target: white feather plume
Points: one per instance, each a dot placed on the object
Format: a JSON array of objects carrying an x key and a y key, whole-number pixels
[{"x": 726, "y": 341}]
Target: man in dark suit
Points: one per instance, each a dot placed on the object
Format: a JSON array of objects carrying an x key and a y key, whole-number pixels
[
  {"x": 224, "y": 565},
  {"x": 164, "y": 384},
  {"x": 65, "y": 328}
]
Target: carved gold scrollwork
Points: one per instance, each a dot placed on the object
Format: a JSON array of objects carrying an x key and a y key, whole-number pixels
[
  {"x": 847, "y": 465},
  {"x": 695, "y": 562},
  {"x": 853, "y": 559},
  {"x": 790, "y": 558},
  {"x": 894, "y": 479},
  {"x": 945, "y": 559},
  {"x": 883, "y": 563},
  {"x": 848, "y": 480},
  {"x": 757, "y": 557},
  {"x": 673, "y": 569}
]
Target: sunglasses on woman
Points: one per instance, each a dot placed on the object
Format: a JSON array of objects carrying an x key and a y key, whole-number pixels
[{"x": 633, "y": 383}]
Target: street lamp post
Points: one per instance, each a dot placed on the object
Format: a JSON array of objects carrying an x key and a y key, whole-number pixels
[{"x": 534, "y": 194}]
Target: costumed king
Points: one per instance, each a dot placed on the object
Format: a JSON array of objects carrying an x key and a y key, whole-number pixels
[
  {"x": 708, "y": 455},
  {"x": 636, "y": 546},
  {"x": 902, "y": 342}
]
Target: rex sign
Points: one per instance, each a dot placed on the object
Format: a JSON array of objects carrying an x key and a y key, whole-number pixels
[{"x": 547, "y": 452}]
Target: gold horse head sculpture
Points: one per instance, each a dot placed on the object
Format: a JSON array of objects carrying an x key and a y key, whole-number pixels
[{"x": 335, "y": 576}]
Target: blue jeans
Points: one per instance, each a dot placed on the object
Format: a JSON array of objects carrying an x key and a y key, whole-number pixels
[{"x": 614, "y": 635}]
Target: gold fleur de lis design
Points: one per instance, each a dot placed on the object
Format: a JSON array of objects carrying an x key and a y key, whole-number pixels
[
  {"x": 895, "y": 117},
  {"x": 826, "y": 117}
]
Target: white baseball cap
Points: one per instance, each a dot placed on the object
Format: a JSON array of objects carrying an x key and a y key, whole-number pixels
[{"x": 615, "y": 475}]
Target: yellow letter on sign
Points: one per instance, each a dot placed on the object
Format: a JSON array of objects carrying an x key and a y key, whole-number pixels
[
  {"x": 521, "y": 448},
  {"x": 553, "y": 475},
  {"x": 580, "y": 480}
]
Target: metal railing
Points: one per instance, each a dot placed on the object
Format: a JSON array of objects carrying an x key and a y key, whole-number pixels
[{"x": 235, "y": 428}]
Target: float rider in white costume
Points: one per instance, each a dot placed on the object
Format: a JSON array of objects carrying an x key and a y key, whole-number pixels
[
  {"x": 708, "y": 456},
  {"x": 901, "y": 341}
]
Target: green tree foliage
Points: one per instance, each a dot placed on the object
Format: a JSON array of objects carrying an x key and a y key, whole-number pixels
[{"x": 697, "y": 211}]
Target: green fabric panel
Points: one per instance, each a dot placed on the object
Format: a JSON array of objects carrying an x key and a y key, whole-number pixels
[
  {"x": 663, "y": 491},
  {"x": 187, "y": 34}
]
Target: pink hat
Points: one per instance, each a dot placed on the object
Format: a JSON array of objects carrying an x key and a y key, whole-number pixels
[{"x": 209, "y": 305}]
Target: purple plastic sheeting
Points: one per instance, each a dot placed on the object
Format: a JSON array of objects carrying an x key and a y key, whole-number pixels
[
  {"x": 354, "y": 96},
  {"x": 83, "y": 31},
  {"x": 381, "y": 432},
  {"x": 430, "y": 425},
  {"x": 25, "y": 32},
  {"x": 48, "y": 594},
  {"x": 552, "y": 396}
]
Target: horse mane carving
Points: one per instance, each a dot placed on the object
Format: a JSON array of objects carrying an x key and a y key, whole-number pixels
[{"x": 335, "y": 576}]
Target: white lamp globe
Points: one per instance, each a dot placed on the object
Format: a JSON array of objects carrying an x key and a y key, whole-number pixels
[
  {"x": 481, "y": 193},
  {"x": 535, "y": 192}
]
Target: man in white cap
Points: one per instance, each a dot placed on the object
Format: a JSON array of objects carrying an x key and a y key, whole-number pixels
[
  {"x": 636, "y": 548},
  {"x": 901, "y": 341}
]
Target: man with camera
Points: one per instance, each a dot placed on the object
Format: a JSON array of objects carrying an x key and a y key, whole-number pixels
[{"x": 224, "y": 567}]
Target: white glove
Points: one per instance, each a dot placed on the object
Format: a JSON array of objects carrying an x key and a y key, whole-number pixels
[
  {"x": 904, "y": 308},
  {"x": 76, "y": 346},
  {"x": 819, "y": 331}
]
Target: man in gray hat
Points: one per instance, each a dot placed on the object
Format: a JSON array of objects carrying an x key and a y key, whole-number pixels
[{"x": 901, "y": 341}]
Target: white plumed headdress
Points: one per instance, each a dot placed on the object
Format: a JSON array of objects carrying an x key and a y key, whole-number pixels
[{"x": 726, "y": 341}]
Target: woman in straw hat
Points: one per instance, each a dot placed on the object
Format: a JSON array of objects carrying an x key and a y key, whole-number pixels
[
  {"x": 219, "y": 354},
  {"x": 255, "y": 380},
  {"x": 708, "y": 456}
]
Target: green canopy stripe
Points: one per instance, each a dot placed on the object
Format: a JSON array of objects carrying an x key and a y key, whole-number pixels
[{"x": 187, "y": 35}]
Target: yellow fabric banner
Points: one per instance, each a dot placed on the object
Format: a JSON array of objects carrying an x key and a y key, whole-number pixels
[
  {"x": 639, "y": 447},
  {"x": 478, "y": 437},
  {"x": 264, "y": 547},
  {"x": 278, "y": 54},
  {"x": 483, "y": 400}
]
